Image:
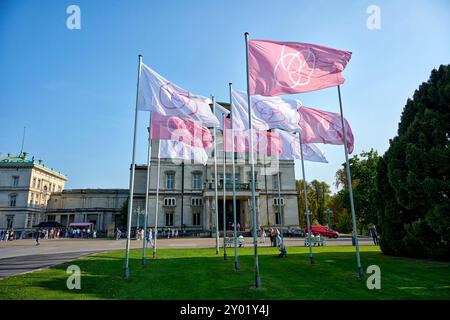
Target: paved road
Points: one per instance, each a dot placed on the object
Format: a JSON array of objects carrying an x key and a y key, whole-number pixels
[{"x": 21, "y": 256}]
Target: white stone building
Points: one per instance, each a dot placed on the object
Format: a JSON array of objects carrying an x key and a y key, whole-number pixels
[{"x": 25, "y": 188}]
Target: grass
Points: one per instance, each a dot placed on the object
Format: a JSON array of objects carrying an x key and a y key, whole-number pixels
[{"x": 200, "y": 274}]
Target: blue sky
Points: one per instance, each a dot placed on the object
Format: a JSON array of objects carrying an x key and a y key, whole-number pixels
[{"x": 75, "y": 90}]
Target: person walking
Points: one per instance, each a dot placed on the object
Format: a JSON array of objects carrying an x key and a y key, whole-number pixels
[
  {"x": 38, "y": 236},
  {"x": 149, "y": 237},
  {"x": 118, "y": 233},
  {"x": 373, "y": 234}
]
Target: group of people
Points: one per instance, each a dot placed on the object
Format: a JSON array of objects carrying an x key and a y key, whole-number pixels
[
  {"x": 7, "y": 235},
  {"x": 81, "y": 233}
]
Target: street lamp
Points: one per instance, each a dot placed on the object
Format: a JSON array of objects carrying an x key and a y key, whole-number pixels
[{"x": 138, "y": 212}]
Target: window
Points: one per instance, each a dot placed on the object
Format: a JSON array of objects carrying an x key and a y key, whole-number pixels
[
  {"x": 9, "y": 222},
  {"x": 51, "y": 218},
  {"x": 170, "y": 181},
  {"x": 170, "y": 202},
  {"x": 275, "y": 181},
  {"x": 169, "y": 218},
  {"x": 277, "y": 218},
  {"x": 32, "y": 199},
  {"x": 15, "y": 181},
  {"x": 196, "y": 201},
  {"x": 34, "y": 182},
  {"x": 39, "y": 183},
  {"x": 197, "y": 181},
  {"x": 53, "y": 188},
  {"x": 278, "y": 201},
  {"x": 12, "y": 200},
  {"x": 196, "y": 218}
]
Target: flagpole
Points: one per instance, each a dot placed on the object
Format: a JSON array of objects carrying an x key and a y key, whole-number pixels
[
  {"x": 233, "y": 168},
  {"x": 224, "y": 191},
  {"x": 350, "y": 188},
  {"x": 252, "y": 170},
  {"x": 267, "y": 195},
  {"x": 126, "y": 271},
  {"x": 307, "y": 213},
  {"x": 216, "y": 205},
  {"x": 149, "y": 155},
  {"x": 157, "y": 199},
  {"x": 280, "y": 208}
]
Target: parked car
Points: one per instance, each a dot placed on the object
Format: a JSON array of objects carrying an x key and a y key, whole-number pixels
[
  {"x": 324, "y": 231},
  {"x": 294, "y": 233}
]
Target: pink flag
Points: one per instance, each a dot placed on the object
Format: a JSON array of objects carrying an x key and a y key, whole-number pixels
[
  {"x": 293, "y": 67},
  {"x": 180, "y": 129},
  {"x": 265, "y": 142},
  {"x": 323, "y": 127}
]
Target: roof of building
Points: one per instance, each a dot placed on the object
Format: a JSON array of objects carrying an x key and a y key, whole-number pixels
[{"x": 22, "y": 160}]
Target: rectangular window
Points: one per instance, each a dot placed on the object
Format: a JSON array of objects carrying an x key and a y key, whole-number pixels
[
  {"x": 196, "y": 218},
  {"x": 39, "y": 183},
  {"x": 170, "y": 181},
  {"x": 9, "y": 222},
  {"x": 34, "y": 182},
  {"x": 196, "y": 201},
  {"x": 277, "y": 218},
  {"x": 15, "y": 181},
  {"x": 169, "y": 219},
  {"x": 170, "y": 202},
  {"x": 278, "y": 201},
  {"x": 12, "y": 200},
  {"x": 275, "y": 181},
  {"x": 197, "y": 181}
]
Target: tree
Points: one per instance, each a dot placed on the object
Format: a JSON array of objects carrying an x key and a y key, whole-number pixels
[
  {"x": 318, "y": 194},
  {"x": 122, "y": 217},
  {"x": 413, "y": 176},
  {"x": 363, "y": 170}
]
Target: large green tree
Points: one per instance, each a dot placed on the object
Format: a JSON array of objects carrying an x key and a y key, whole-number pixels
[
  {"x": 363, "y": 169},
  {"x": 413, "y": 175}
]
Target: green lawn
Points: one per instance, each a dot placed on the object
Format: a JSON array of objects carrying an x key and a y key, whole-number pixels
[{"x": 200, "y": 274}]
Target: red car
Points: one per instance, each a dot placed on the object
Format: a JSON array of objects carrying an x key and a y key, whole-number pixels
[{"x": 324, "y": 231}]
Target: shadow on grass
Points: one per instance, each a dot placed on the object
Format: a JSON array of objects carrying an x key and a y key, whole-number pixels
[{"x": 200, "y": 274}]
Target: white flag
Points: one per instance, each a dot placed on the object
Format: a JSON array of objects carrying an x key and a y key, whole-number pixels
[
  {"x": 291, "y": 148},
  {"x": 171, "y": 149},
  {"x": 220, "y": 113},
  {"x": 157, "y": 94},
  {"x": 268, "y": 112}
]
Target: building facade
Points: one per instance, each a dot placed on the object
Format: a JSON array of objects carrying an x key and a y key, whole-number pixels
[
  {"x": 26, "y": 186},
  {"x": 187, "y": 192},
  {"x": 98, "y": 206}
]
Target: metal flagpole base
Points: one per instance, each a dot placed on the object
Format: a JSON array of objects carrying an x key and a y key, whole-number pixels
[
  {"x": 360, "y": 273},
  {"x": 311, "y": 260},
  {"x": 236, "y": 266},
  {"x": 126, "y": 273},
  {"x": 225, "y": 257},
  {"x": 257, "y": 281}
]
